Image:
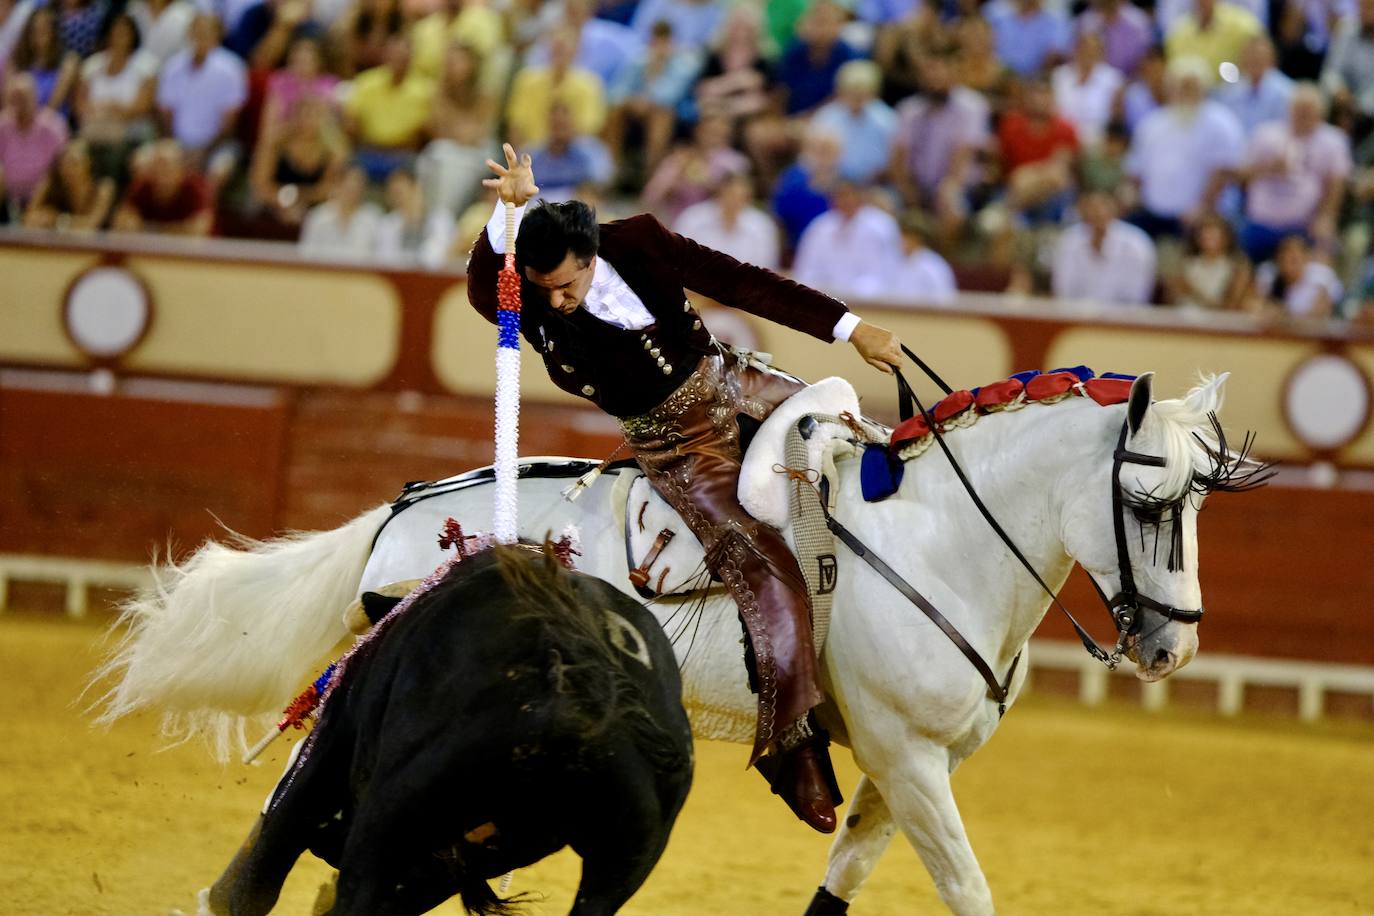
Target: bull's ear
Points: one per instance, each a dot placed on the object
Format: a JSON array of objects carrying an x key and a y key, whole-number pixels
[{"x": 1142, "y": 391}]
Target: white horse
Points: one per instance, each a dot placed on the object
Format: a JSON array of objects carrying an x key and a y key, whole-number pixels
[{"x": 235, "y": 629}]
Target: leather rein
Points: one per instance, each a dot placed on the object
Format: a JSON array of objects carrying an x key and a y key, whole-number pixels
[{"x": 1124, "y": 607}]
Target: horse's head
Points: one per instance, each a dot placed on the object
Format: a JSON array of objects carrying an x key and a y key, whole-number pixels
[{"x": 1133, "y": 524}]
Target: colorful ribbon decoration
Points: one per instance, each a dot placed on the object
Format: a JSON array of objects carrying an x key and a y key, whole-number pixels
[{"x": 507, "y": 391}]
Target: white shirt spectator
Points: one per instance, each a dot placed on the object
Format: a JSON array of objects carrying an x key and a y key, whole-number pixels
[
  {"x": 200, "y": 97},
  {"x": 1290, "y": 200},
  {"x": 922, "y": 277},
  {"x": 165, "y": 34},
  {"x": 753, "y": 239},
  {"x": 122, "y": 88},
  {"x": 1300, "y": 299},
  {"x": 851, "y": 256},
  {"x": 325, "y": 233},
  {"x": 428, "y": 246},
  {"x": 1121, "y": 272},
  {"x": 1174, "y": 154},
  {"x": 867, "y": 137},
  {"x": 1087, "y": 105}
]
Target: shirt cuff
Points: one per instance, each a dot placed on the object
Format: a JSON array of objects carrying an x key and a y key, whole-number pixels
[
  {"x": 845, "y": 326},
  {"x": 496, "y": 226}
]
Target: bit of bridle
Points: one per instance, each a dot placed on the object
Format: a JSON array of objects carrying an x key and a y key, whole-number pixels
[{"x": 1124, "y": 607}]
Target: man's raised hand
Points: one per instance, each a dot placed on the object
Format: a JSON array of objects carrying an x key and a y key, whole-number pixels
[{"x": 514, "y": 183}]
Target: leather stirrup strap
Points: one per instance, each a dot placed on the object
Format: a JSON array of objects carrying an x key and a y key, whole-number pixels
[{"x": 639, "y": 576}]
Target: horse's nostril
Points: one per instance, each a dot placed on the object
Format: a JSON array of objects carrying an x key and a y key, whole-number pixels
[{"x": 1162, "y": 656}]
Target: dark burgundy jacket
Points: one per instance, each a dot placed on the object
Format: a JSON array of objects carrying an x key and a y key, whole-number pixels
[{"x": 615, "y": 368}]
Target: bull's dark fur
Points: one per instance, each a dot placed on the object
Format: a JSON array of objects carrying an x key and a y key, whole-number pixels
[{"x": 496, "y": 699}]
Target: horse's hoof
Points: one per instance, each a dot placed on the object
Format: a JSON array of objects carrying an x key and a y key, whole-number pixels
[{"x": 203, "y": 903}]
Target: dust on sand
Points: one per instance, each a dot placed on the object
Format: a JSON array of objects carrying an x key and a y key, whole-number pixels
[{"x": 1108, "y": 811}]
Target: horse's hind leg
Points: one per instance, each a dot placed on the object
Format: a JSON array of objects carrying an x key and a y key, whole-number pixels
[
  {"x": 864, "y": 834},
  {"x": 919, "y": 796}
]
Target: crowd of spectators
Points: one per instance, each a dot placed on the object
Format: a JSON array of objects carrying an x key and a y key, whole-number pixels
[{"x": 1205, "y": 154}]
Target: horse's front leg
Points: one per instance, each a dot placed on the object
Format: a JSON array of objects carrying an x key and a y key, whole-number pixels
[
  {"x": 864, "y": 834},
  {"x": 917, "y": 792}
]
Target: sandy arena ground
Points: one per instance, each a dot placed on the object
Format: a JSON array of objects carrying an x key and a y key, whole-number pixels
[{"x": 1071, "y": 811}]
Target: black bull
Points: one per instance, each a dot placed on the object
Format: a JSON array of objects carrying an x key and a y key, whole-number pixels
[{"x": 514, "y": 709}]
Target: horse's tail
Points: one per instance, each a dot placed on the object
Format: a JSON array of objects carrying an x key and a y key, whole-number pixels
[{"x": 234, "y": 630}]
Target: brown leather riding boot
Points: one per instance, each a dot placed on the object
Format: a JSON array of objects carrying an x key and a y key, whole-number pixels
[{"x": 810, "y": 790}]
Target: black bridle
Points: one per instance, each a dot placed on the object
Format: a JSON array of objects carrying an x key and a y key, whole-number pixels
[{"x": 1124, "y": 607}]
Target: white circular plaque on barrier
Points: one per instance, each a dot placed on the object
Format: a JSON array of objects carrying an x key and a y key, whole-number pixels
[
  {"x": 1327, "y": 401},
  {"x": 107, "y": 312}
]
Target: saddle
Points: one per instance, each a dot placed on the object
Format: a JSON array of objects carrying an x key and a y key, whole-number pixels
[{"x": 663, "y": 556}]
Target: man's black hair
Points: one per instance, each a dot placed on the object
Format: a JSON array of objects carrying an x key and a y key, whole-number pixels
[{"x": 551, "y": 230}]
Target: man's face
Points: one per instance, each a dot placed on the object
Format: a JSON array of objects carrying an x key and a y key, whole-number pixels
[{"x": 566, "y": 285}]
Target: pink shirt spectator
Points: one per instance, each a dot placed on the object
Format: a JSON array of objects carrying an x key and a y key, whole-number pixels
[
  {"x": 285, "y": 89},
  {"x": 1291, "y": 199},
  {"x": 931, "y": 134},
  {"x": 26, "y": 155}
]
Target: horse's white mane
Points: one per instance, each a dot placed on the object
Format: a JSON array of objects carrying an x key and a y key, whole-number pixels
[{"x": 1184, "y": 432}]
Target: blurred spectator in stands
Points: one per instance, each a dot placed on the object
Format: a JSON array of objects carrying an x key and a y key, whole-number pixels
[
  {"x": 200, "y": 93},
  {"x": 567, "y": 159},
  {"x": 1213, "y": 274},
  {"x": 1085, "y": 89},
  {"x": 41, "y": 55},
  {"x": 1103, "y": 259},
  {"x": 167, "y": 195},
  {"x": 940, "y": 135},
  {"x": 694, "y": 22},
  {"x": 803, "y": 190},
  {"x": 296, "y": 164},
  {"x": 807, "y": 68},
  {"x": 1039, "y": 152},
  {"x": 1168, "y": 12},
  {"x": 1183, "y": 155},
  {"x": 1294, "y": 283},
  {"x": 462, "y": 124},
  {"x": 1295, "y": 174},
  {"x": 1348, "y": 73},
  {"x": 604, "y": 48},
  {"x": 14, "y": 15},
  {"x": 782, "y": 19},
  {"x": 361, "y": 34},
  {"x": 645, "y": 98},
  {"x": 302, "y": 78},
  {"x": 920, "y": 275},
  {"x": 1028, "y": 36},
  {"x": 865, "y": 121},
  {"x": 471, "y": 22},
  {"x": 536, "y": 89},
  {"x": 1147, "y": 92},
  {"x": 412, "y": 232},
  {"x": 265, "y": 31},
  {"x": 1125, "y": 30},
  {"x": 344, "y": 226},
  {"x": 976, "y": 64},
  {"x": 81, "y": 23},
  {"x": 1104, "y": 168},
  {"x": 387, "y": 111},
  {"x": 1300, "y": 39},
  {"x": 114, "y": 99},
  {"x": 71, "y": 197},
  {"x": 1260, "y": 92},
  {"x": 900, "y": 45},
  {"x": 736, "y": 79},
  {"x": 30, "y": 139},
  {"x": 1214, "y": 31},
  {"x": 730, "y": 222},
  {"x": 850, "y": 249},
  {"x": 691, "y": 172},
  {"x": 163, "y": 25}
]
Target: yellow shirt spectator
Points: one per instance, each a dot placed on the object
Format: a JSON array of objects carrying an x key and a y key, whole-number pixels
[
  {"x": 1223, "y": 40},
  {"x": 537, "y": 89},
  {"x": 386, "y": 113},
  {"x": 479, "y": 27}
]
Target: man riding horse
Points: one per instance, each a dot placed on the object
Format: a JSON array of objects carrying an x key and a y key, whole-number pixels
[{"x": 605, "y": 307}]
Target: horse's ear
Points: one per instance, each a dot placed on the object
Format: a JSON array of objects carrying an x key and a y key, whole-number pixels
[{"x": 1142, "y": 392}]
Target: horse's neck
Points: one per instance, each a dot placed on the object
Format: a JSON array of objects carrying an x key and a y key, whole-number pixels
[{"x": 1021, "y": 464}]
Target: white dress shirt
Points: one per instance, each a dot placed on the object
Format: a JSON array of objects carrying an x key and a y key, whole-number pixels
[
  {"x": 610, "y": 298},
  {"x": 753, "y": 239},
  {"x": 1122, "y": 272}
]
